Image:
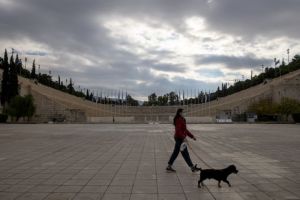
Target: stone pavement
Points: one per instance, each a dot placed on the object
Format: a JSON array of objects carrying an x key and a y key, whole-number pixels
[{"x": 108, "y": 162}]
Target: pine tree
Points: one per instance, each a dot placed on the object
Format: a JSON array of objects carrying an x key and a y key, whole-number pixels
[
  {"x": 18, "y": 64},
  {"x": 87, "y": 96},
  {"x": 218, "y": 93},
  {"x": 91, "y": 97},
  {"x": 5, "y": 80},
  {"x": 13, "y": 79},
  {"x": 59, "y": 85},
  {"x": 33, "y": 74},
  {"x": 1, "y": 63},
  {"x": 70, "y": 87}
]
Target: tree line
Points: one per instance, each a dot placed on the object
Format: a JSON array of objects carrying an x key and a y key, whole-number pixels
[
  {"x": 266, "y": 109},
  {"x": 179, "y": 98},
  {"x": 13, "y": 104},
  {"x": 12, "y": 69}
]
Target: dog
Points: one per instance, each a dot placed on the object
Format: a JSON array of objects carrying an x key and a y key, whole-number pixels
[{"x": 219, "y": 175}]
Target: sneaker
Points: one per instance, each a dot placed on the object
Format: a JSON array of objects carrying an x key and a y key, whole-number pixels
[
  {"x": 195, "y": 168},
  {"x": 170, "y": 169}
]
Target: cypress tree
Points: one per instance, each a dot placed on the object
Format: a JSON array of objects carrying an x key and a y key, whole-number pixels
[
  {"x": 91, "y": 97},
  {"x": 70, "y": 87},
  {"x": 1, "y": 63},
  {"x": 5, "y": 80},
  {"x": 18, "y": 64},
  {"x": 13, "y": 79},
  {"x": 87, "y": 95},
  {"x": 59, "y": 86},
  {"x": 33, "y": 74}
]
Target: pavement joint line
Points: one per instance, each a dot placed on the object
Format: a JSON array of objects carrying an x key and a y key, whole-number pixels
[
  {"x": 42, "y": 170},
  {"x": 103, "y": 165},
  {"x": 211, "y": 167},
  {"x": 118, "y": 169},
  {"x": 156, "y": 180},
  {"x": 268, "y": 160},
  {"x": 177, "y": 174},
  {"x": 64, "y": 169},
  {"x": 252, "y": 184},
  {"x": 70, "y": 165},
  {"x": 140, "y": 158},
  {"x": 192, "y": 150},
  {"x": 171, "y": 138}
]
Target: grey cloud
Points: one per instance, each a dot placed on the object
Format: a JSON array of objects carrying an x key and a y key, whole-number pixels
[
  {"x": 233, "y": 62},
  {"x": 35, "y": 53},
  {"x": 71, "y": 28},
  {"x": 166, "y": 67},
  {"x": 211, "y": 73},
  {"x": 249, "y": 19},
  {"x": 162, "y": 53}
]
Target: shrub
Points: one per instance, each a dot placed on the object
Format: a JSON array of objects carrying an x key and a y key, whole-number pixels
[
  {"x": 263, "y": 107},
  {"x": 21, "y": 107},
  {"x": 288, "y": 106},
  {"x": 3, "y": 118}
]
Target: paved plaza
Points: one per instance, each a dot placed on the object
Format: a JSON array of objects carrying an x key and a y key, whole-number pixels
[{"x": 108, "y": 162}]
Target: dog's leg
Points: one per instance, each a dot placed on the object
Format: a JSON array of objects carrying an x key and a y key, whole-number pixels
[
  {"x": 199, "y": 184},
  {"x": 226, "y": 181},
  {"x": 219, "y": 184}
]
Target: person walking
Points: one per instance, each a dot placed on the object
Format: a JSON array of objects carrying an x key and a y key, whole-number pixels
[{"x": 180, "y": 145}]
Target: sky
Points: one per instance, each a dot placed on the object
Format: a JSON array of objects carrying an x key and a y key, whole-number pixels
[{"x": 146, "y": 46}]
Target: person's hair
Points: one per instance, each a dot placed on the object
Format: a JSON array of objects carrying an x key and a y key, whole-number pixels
[{"x": 179, "y": 110}]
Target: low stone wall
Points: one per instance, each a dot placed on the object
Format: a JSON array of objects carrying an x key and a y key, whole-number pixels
[
  {"x": 110, "y": 120},
  {"x": 196, "y": 120}
]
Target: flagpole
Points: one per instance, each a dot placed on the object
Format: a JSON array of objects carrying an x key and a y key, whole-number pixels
[
  {"x": 209, "y": 103},
  {"x": 202, "y": 113},
  {"x": 187, "y": 102}
]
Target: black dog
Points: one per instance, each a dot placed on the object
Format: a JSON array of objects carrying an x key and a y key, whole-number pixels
[{"x": 219, "y": 175}]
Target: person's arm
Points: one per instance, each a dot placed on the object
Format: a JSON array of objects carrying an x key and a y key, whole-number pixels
[{"x": 188, "y": 132}]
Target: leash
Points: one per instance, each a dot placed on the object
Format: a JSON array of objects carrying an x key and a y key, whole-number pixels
[
  {"x": 192, "y": 150},
  {"x": 190, "y": 147}
]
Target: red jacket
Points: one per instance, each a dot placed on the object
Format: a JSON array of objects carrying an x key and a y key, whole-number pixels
[{"x": 181, "y": 130}]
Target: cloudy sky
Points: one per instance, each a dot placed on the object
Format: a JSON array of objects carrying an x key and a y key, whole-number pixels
[{"x": 146, "y": 46}]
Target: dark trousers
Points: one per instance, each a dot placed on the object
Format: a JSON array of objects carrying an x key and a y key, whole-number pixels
[{"x": 185, "y": 154}]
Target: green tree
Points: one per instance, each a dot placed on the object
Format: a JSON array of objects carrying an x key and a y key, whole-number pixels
[
  {"x": 59, "y": 82},
  {"x": 18, "y": 64},
  {"x": 130, "y": 101},
  {"x": 263, "y": 107},
  {"x": 91, "y": 97},
  {"x": 5, "y": 80},
  {"x": 163, "y": 100},
  {"x": 71, "y": 88},
  {"x": 45, "y": 79},
  {"x": 13, "y": 79},
  {"x": 218, "y": 92},
  {"x": 87, "y": 95},
  {"x": 173, "y": 98},
  {"x": 21, "y": 107},
  {"x": 152, "y": 99},
  {"x": 30, "y": 107},
  {"x": 288, "y": 106},
  {"x": 1, "y": 63},
  {"x": 33, "y": 73}
]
